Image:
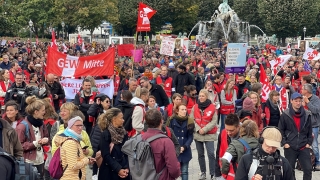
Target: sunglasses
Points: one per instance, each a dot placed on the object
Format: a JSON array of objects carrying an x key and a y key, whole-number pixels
[
  {"x": 107, "y": 101},
  {"x": 193, "y": 94}
]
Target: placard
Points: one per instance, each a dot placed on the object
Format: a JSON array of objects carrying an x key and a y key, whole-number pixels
[{"x": 236, "y": 57}]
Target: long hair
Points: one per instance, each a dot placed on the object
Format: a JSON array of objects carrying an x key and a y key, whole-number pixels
[
  {"x": 249, "y": 128},
  {"x": 258, "y": 97},
  {"x": 227, "y": 85},
  {"x": 105, "y": 119}
]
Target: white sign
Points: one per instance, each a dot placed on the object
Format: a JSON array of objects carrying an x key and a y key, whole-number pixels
[
  {"x": 72, "y": 86},
  {"x": 167, "y": 46}
]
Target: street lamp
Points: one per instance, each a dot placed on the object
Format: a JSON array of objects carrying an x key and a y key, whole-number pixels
[
  {"x": 63, "y": 24},
  {"x": 30, "y": 25},
  {"x": 304, "y": 33},
  {"x": 105, "y": 25}
]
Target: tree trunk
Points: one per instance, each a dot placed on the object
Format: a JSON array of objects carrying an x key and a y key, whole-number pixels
[{"x": 283, "y": 41}]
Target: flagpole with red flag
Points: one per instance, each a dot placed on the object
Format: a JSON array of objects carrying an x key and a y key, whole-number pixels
[{"x": 143, "y": 24}]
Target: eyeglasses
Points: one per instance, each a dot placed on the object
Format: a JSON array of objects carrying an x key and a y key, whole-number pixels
[
  {"x": 193, "y": 94},
  {"x": 80, "y": 125}
]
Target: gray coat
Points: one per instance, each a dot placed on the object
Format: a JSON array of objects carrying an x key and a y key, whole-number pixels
[{"x": 314, "y": 108}]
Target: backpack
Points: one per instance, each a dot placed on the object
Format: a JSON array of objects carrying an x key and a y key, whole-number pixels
[
  {"x": 26, "y": 132},
  {"x": 55, "y": 167},
  {"x": 21, "y": 170},
  {"x": 247, "y": 148},
  {"x": 141, "y": 158}
]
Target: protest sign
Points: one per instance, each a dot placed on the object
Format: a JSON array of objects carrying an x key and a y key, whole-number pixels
[
  {"x": 72, "y": 86},
  {"x": 236, "y": 57},
  {"x": 167, "y": 46}
]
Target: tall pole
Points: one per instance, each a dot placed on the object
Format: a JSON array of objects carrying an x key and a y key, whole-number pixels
[
  {"x": 30, "y": 33},
  {"x": 105, "y": 37}
]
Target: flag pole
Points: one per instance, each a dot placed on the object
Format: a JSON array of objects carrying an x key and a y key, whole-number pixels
[{"x": 134, "y": 50}]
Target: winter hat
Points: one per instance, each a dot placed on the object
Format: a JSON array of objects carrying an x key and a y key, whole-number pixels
[
  {"x": 248, "y": 104},
  {"x": 171, "y": 65},
  {"x": 73, "y": 120}
]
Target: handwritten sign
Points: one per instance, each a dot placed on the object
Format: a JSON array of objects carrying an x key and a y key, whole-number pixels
[
  {"x": 167, "y": 46},
  {"x": 72, "y": 86}
]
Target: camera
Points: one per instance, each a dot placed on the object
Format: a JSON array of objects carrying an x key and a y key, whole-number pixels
[{"x": 20, "y": 94}]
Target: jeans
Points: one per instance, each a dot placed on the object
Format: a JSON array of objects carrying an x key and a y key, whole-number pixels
[
  {"x": 221, "y": 123},
  {"x": 210, "y": 153},
  {"x": 184, "y": 170},
  {"x": 315, "y": 146},
  {"x": 304, "y": 158}
]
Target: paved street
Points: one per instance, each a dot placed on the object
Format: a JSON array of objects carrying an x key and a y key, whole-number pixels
[{"x": 194, "y": 168}]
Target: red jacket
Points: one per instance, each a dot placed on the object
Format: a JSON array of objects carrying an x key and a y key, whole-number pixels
[
  {"x": 165, "y": 155},
  {"x": 223, "y": 148},
  {"x": 205, "y": 118}
]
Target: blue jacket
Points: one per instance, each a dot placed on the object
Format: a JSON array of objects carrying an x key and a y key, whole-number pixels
[
  {"x": 5, "y": 66},
  {"x": 185, "y": 138}
]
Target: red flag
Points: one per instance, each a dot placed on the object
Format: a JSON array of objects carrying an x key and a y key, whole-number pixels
[
  {"x": 79, "y": 39},
  {"x": 144, "y": 15},
  {"x": 265, "y": 84},
  {"x": 53, "y": 40},
  {"x": 125, "y": 49},
  {"x": 73, "y": 66}
]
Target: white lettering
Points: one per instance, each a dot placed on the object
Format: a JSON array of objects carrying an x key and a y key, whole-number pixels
[{"x": 93, "y": 63}]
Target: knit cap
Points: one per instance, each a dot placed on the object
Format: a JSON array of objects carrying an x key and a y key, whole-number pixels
[
  {"x": 73, "y": 120},
  {"x": 247, "y": 104}
]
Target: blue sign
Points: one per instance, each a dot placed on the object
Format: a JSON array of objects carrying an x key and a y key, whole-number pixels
[{"x": 236, "y": 57}]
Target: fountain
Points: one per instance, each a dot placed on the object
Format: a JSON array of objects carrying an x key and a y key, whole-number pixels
[{"x": 225, "y": 25}]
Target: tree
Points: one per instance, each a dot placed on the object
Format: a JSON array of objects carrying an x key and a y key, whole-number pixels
[
  {"x": 206, "y": 10},
  {"x": 247, "y": 11},
  {"x": 286, "y": 18},
  {"x": 92, "y": 13}
]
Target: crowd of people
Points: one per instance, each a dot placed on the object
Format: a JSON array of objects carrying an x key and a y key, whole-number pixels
[{"x": 187, "y": 97}]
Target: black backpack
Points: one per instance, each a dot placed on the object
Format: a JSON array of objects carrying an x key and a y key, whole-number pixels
[{"x": 21, "y": 169}]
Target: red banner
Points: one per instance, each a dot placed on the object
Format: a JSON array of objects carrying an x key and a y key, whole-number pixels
[
  {"x": 144, "y": 15},
  {"x": 73, "y": 66},
  {"x": 125, "y": 49},
  {"x": 265, "y": 85}
]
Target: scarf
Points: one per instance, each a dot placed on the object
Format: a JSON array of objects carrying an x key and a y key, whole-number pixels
[
  {"x": 117, "y": 134},
  {"x": 35, "y": 122},
  {"x": 204, "y": 105},
  {"x": 300, "y": 113},
  {"x": 163, "y": 77},
  {"x": 180, "y": 120},
  {"x": 70, "y": 133}
]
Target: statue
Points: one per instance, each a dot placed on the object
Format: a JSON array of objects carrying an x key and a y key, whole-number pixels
[
  {"x": 224, "y": 7},
  {"x": 180, "y": 34},
  {"x": 273, "y": 40}
]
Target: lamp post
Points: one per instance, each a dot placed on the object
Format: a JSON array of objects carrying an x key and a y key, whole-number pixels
[
  {"x": 104, "y": 25},
  {"x": 63, "y": 24},
  {"x": 30, "y": 25},
  {"x": 304, "y": 33}
]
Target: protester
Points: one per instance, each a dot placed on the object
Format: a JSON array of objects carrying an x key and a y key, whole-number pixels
[
  {"x": 33, "y": 134},
  {"x": 231, "y": 132},
  {"x": 176, "y": 101},
  {"x": 73, "y": 159},
  {"x": 228, "y": 97},
  {"x": 183, "y": 79},
  {"x": 189, "y": 97},
  {"x": 312, "y": 103},
  {"x": 155, "y": 90},
  {"x": 141, "y": 97},
  {"x": 163, "y": 147},
  {"x": 296, "y": 129},
  {"x": 84, "y": 99},
  {"x": 236, "y": 149},
  {"x": 251, "y": 166},
  {"x": 183, "y": 126},
  {"x": 115, "y": 163},
  {"x": 4, "y": 86},
  {"x": 205, "y": 133},
  {"x": 12, "y": 115}
]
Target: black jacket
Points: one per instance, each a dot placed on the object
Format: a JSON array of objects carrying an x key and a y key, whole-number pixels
[
  {"x": 95, "y": 110},
  {"x": 20, "y": 99},
  {"x": 245, "y": 164},
  {"x": 57, "y": 89},
  {"x": 173, "y": 73},
  {"x": 289, "y": 131},
  {"x": 183, "y": 79},
  {"x": 114, "y": 161},
  {"x": 160, "y": 95}
]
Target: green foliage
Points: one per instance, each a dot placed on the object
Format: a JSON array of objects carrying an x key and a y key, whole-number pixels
[
  {"x": 286, "y": 18},
  {"x": 207, "y": 8}
]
